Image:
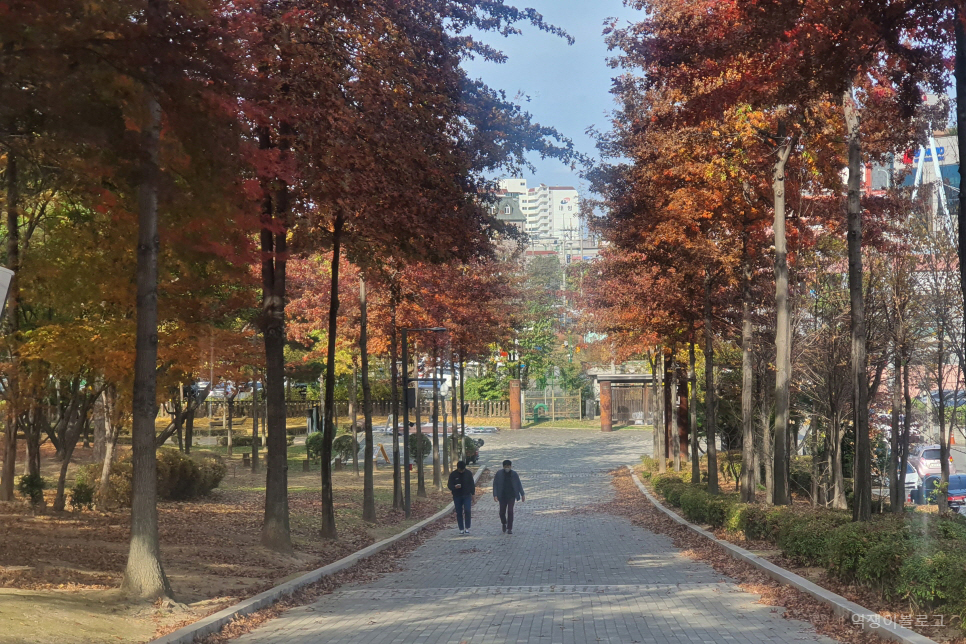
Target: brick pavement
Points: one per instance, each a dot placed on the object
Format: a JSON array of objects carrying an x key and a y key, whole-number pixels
[{"x": 563, "y": 577}]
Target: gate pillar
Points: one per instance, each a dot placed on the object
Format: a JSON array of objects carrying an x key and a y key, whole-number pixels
[
  {"x": 606, "y": 412},
  {"x": 516, "y": 417}
]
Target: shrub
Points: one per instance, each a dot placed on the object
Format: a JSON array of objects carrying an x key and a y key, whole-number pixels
[
  {"x": 751, "y": 520},
  {"x": 670, "y": 486},
  {"x": 426, "y": 446},
  {"x": 180, "y": 477},
  {"x": 82, "y": 496},
  {"x": 694, "y": 504},
  {"x": 932, "y": 577},
  {"x": 648, "y": 464},
  {"x": 863, "y": 551},
  {"x": 345, "y": 446},
  {"x": 719, "y": 509},
  {"x": 804, "y": 536},
  {"x": 31, "y": 487},
  {"x": 211, "y": 471},
  {"x": 313, "y": 445},
  {"x": 470, "y": 447}
]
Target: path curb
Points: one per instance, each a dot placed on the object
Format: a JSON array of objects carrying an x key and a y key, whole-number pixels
[
  {"x": 859, "y": 615},
  {"x": 215, "y": 622}
]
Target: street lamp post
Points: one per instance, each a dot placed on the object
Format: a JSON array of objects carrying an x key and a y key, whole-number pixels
[{"x": 405, "y": 383}]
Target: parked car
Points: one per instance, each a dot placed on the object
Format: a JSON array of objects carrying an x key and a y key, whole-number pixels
[
  {"x": 925, "y": 459},
  {"x": 955, "y": 495}
]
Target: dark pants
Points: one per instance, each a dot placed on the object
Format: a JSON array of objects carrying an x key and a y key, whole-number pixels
[
  {"x": 506, "y": 512},
  {"x": 463, "y": 505}
]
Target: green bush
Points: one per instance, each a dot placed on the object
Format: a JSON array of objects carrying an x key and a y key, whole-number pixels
[
  {"x": 31, "y": 487},
  {"x": 180, "y": 477},
  {"x": 345, "y": 446},
  {"x": 82, "y": 496},
  {"x": 313, "y": 446},
  {"x": 868, "y": 551},
  {"x": 670, "y": 486},
  {"x": 694, "y": 504},
  {"x": 426, "y": 444},
  {"x": 648, "y": 464},
  {"x": 804, "y": 536},
  {"x": 719, "y": 509},
  {"x": 752, "y": 521},
  {"x": 470, "y": 447},
  {"x": 933, "y": 578}
]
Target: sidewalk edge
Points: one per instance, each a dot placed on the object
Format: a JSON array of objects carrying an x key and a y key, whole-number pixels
[
  {"x": 867, "y": 619},
  {"x": 216, "y": 621}
]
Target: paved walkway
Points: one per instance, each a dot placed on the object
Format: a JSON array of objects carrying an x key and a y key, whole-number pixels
[{"x": 563, "y": 577}]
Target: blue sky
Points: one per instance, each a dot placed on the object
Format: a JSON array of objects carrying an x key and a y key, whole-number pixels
[{"x": 568, "y": 85}]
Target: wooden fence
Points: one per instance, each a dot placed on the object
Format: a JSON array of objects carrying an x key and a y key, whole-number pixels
[{"x": 380, "y": 409}]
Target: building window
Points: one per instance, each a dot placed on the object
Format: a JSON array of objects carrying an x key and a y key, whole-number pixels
[{"x": 506, "y": 211}]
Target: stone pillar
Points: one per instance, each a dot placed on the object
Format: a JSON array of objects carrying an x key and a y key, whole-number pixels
[
  {"x": 516, "y": 418},
  {"x": 606, "y": 417}
]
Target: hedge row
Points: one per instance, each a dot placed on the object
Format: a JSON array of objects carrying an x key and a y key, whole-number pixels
[{"x": 917, "y": 558}]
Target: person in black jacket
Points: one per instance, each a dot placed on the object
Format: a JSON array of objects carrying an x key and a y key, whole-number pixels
[
  {"x": 463, "y": 487},
  {"x": 507, "y": 490}
]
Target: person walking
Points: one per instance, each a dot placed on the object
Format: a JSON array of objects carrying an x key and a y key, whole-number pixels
[
  {"x": 507, "y": 490},
  {"x": 463, "y": 487}
]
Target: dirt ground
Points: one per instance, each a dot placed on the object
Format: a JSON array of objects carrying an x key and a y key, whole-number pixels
[{"x": 59, "y": 572}]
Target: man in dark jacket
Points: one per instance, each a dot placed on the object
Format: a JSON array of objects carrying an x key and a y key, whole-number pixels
[
  {"x": 463, "y": 487},
  {"x": 507, "y": 490}
]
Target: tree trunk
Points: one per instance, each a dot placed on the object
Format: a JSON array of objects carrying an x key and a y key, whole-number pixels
[
  {"x": 276, "y": 532},
  {"x": 353, "y": 418},
  {"x": 838, "y": 476},
  {"x": 813, "y": 450},
  {"x": 783, "y": 328},
  {"x": 660, "y": 422},
  {"x": 942, "y": 499},
  {"x": 767, "y": 443},
  {"x": 462, "y": 410},
  {"x": 112, "y": 431},
  {"x": 31, "y": 432},
  {"x": 255, "y": 436},
  {"x": 397, "y": 493},
  {"x": 368, "y": 494},
  {"x": 709, "y": 394},
  {"x": 907, "y": 418},
  {"x": 420, "y": 470},
  {"x": 100, "y": 430},
  {"x": 189, "y": 428},
  {"x": 693, "y": 408},
  {"x": 675, "y": 412},
  {"x": 896, "y": 493},
  {"x": 230, "y": 424},
  {"x": 75, "y": 426},
  {"x": 862, "y": 468},
  {"x": 13, "y": 325},
  {"x": 454, "y": 435},
  {"x": 144, "y": 576},
  {"x": 328, "y": 504},
  {"x": 749, "y": 482},
  {"x": 437, "y": 474}
]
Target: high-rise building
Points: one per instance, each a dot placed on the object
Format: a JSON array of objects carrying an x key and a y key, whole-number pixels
[{"x": 551, "y": 211}]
